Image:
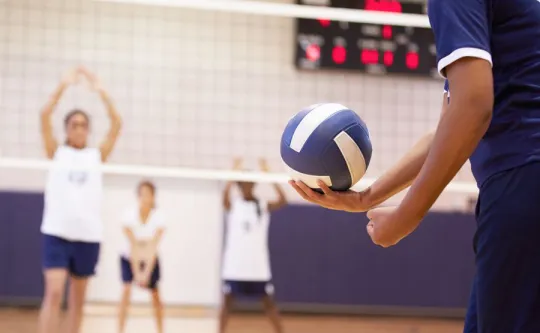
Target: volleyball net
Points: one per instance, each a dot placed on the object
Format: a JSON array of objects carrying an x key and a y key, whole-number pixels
[{"x": 199, "y": 82}]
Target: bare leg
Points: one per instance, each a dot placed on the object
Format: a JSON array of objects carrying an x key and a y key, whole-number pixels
[
  {"x": 272, "y": 313},
  {"x": 124, "y": 307},
  {"x": 227, "y": 302},
  {"x": 55, "y": 282},
  {"x": 77, "y": 295},
  {"x": 158, "y": 309}
]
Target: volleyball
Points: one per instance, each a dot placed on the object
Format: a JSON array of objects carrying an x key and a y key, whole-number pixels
[{"x": 329, "y": 142}]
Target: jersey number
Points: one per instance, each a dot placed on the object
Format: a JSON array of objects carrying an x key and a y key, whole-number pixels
[{"x": 77, "y": 177}]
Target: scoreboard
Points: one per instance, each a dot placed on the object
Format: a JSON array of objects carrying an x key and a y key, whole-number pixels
[{"x": 370, "y": 48}]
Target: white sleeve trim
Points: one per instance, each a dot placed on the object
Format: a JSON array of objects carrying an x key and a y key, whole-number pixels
[{"x": 462, "y": 53}]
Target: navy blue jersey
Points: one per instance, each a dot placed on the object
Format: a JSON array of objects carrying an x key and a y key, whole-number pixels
[{"x": 505, "y": 33}]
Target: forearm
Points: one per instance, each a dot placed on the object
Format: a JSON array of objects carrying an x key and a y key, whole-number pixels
[
  {"x": 135, "y": 260},
  {"x": 134, "y": 250},
  {"x": 152, "y": 250},
  {"x": 111, "y": 109},
  {"x": 149, "y": 262},
  {"x": 53, "y": 100},
  {"x": 459, "y": 132},
  {"x": 402, "y": 174},
  {"x": 227, "y": 195},
  {"x": 280, "y": 193}
]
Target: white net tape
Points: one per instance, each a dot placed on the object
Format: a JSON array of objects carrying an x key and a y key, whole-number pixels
[
  {"x": 289, "y": 10},
  {"x": 208, "y": 174}
]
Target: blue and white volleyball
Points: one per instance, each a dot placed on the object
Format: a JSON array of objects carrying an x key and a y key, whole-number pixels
[{"x": 328, "y": 142}]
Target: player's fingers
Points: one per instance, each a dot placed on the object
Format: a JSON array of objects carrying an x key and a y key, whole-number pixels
[
  {"x": 314, "y": 196},
  {"x": 299, "y": 190},
  {"x": 326, "y": 190}
]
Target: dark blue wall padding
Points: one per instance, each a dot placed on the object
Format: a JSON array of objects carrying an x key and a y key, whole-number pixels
[
  {"x": 318, "y": 257},
  {"x": 326, "y": 257},
  {"x": 21, "y": 277}
]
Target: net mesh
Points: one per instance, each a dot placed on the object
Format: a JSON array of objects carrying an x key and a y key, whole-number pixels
[{"x": 195, "y": 88}]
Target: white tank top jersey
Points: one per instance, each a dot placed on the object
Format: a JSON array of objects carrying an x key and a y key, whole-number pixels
[
  {"x": 246, "y": 256},
  {"x": 142, "y": 231},
  {"x": 73, "y": 195}
]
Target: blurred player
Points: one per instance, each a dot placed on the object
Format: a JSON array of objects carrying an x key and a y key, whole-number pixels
[
  {"x": 143, "y": 227},
  {"x": 489, "y": 51},
  {"x": 246, "y": 265},
  {"x": 72, "y": 225}
]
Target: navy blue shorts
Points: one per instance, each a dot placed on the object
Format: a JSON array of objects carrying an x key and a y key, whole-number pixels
[
  {"x": 127, "y": 273},
  {"x": 78, "y": 258},
  {"x": 505, "y": 295},
  {"x": 248, "y": 288}
]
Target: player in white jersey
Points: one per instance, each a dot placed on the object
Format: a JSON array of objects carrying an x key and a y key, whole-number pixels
[
  {"x": 143, "y": 228},
  {"x": 246, "y": 262},
  {"x": 72, "y": 223}
]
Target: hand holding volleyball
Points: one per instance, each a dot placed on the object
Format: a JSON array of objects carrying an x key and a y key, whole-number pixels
[
  {"x": 326, "y": 142},
  {"x": 327, "y": 149},
  {"x": 349, "y": 201}
]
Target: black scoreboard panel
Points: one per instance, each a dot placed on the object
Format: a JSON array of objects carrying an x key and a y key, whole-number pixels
[{"x": 371, "y": 48}]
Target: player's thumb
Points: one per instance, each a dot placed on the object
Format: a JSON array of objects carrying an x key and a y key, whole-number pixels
[
  {"x": 370, "y": 228},
  {"x": 371, "y": 214}
]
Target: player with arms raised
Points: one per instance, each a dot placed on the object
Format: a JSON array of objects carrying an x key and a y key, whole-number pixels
[
  {"x": 246, "y": 259},
  {"x": 72, "y": 226},
  {"x": 489, "y": 51}
]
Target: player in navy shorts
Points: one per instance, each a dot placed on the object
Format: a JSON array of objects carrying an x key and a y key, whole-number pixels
[
  {"x": 143, "y": 227},
  {"x": 489, "y": 51},
  {"x": 72, "y": 226},
  {"x": 246, "y": 259}
]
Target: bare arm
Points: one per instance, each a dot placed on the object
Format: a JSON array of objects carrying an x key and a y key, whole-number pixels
[
  {"x": 109, "y": 142},
  {"x": 282, "y": 199},
  {"x": 151, "y": 257},
  {"x": 237, "y": 164},
  {"x": 459, "y": 132},
  {"x": 47, "y": 133},
  {"x": 404, "y": 172},
  {"x": 227, "y": 196},
  {"x": 280, "y": 202},
  {"x": 134, "y": 255}
]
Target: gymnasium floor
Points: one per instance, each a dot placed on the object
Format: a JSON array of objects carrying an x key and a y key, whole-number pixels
[{"x": 24, "y": 321}]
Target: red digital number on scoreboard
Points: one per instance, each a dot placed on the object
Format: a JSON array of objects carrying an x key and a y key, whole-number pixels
[
  {"x": 369, "y": 57},
  {"x": 339, "y": 54},
  {"x": 313, "y": 52},
  {"x": 412, "y": 60},
  {"x": 392, "y": 6}
]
